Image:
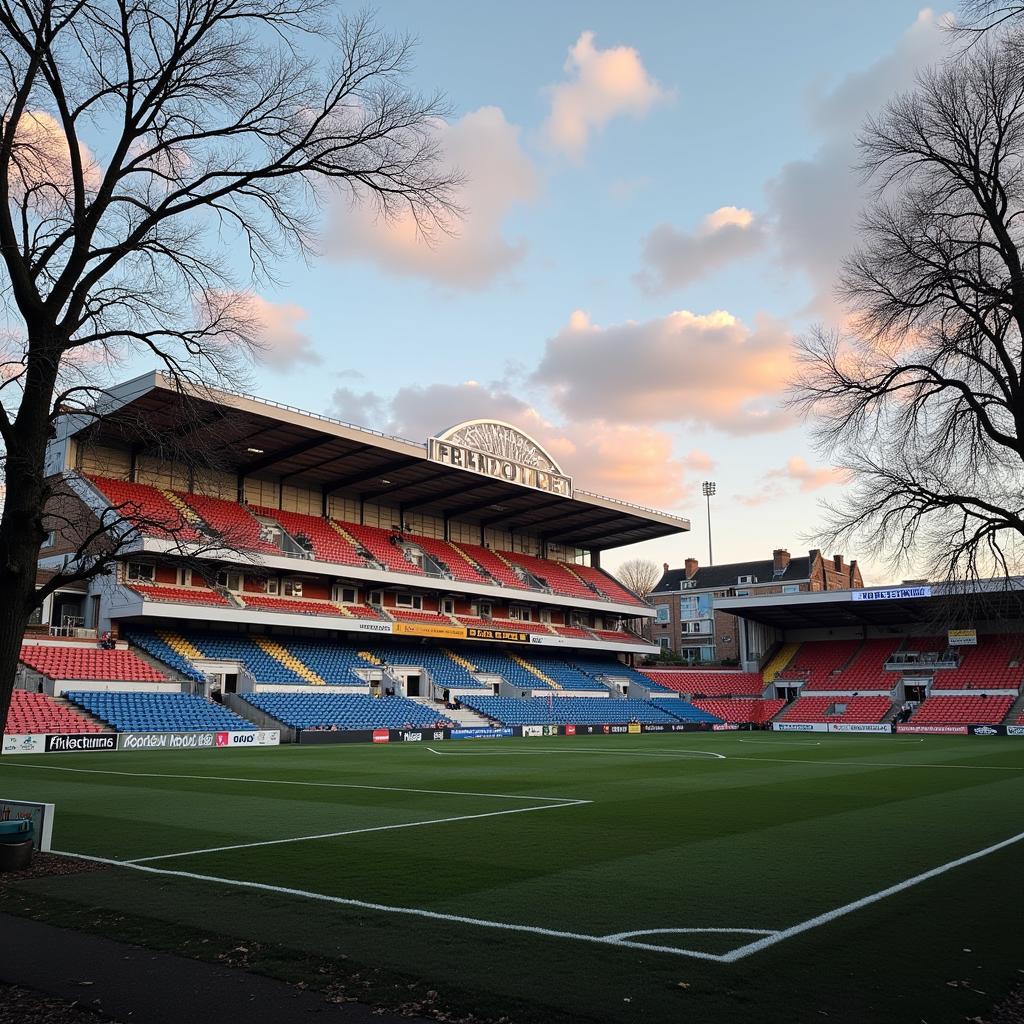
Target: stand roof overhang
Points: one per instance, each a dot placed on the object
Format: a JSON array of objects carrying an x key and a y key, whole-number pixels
[
  {"x": 963, "y": 602},
  {"x": 254, "y": 437}
]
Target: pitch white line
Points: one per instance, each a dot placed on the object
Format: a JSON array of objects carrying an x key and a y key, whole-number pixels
[
  {"x": 406, "y": 911},
  {"x": 579, "y": 750},
  {"x": 356, "y": 831},
  {"x": 875, "y": 764},
  {"x": 849, "y": 908},
  {"x": 289, "y": 782}
]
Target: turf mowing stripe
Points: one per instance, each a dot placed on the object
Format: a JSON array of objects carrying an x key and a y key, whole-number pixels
[
  {"x": 356, "y": 831},
  {"x": 875, "y": 764},
  {"x": 849, "y": 908},
  {"x": 289, "y": 782},
  {"x": 406, "y": 911}
]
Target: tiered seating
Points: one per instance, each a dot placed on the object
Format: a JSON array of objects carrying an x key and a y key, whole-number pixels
[
  {"x": 40, "y": 713},
  {"x": 684, "y": 711},
  {"x": 566, "y": 675},
  {"x": 742, "y": 712},
  {"x": 493, "y": 565},
  {"x": 362, "y": 611},
  {"x": 180, "y": 595},
  {"x": 63, "y": 662},
  {"x": 317, "y": 533},
  {"x": 606, "y": 584},
  {"x": 510, "y": 624},
  {"x": 708, "y": 684},
  {"x": 232, "y": 521},
  {"x": 378, "y": 543},
  {"x": 618, "y": 636},
  {"x": 837, "y": 709},
  {"x": 333, "y": 663},
  {"x": 159, "y": 648},
  {"x": 596, "y": 666},
  {"x": 298, "y": 605},
  {"x": 867, "y": 672},
  {"x": 568, "y": 710},
  {"x": 551, "y": 574},
  {"x": 443, "y": 670},
  {"x": 817, "y": 660},
  {"x": 152, "y": 511},
  {"x": 244, "y": 649},
  {"x": 431, "y": 618},
  {"x": 981, "y": 710},
  {"x": 158, "y": 712},
  {"x": 986, "y": 667},
  {"x": 575, "y": 632},
  {"x": 345, "y": 711},
  {"x": 502, "y": 665},
  {"x": 449, "y": 557}
]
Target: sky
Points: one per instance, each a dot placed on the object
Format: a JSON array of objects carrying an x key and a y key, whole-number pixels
[{"x": 657, "y": 199}]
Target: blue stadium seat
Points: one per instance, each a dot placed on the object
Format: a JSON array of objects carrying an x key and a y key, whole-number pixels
[
  {"x": 344, "y": 711},
  {"x": 158, "y": 712}
]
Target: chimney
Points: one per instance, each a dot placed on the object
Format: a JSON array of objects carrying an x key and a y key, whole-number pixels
[
  {"x": 780, "y": 559},
  {"x": 691, "y": 568},
  {"x": 837, "y": 561},
  {"x": 665, "y": 566}
]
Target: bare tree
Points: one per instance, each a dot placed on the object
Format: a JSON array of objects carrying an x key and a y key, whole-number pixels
[
  {"x": 147, "y": 149},
  {"x": 639, "y": 575},
  {"x": 924, "y": 404},
  {"x": 981, "y": 16}
]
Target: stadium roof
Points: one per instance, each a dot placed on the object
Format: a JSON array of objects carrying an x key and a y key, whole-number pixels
[
  {"x": 884, "y": 606},
  {"x": 256, "y": 437}
]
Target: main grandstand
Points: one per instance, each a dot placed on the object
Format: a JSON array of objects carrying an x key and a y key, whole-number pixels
[{"x": 315, "y": 576}]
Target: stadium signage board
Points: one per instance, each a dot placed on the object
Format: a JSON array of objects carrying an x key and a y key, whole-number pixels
[
  {"x": 962, "y": 638},
  {"x": 934, "y": 730},
  {"x": 41, "y": 816},
  {"x": 24, "y": 743},
  {"x": 451, "y": 632},
  {"x": 799, "y": 726},
  {"x": 481, "y": 734},
  {"x": 1015, "y": 730},
  {"x": 890, "y": 594},
  {"x": 165, "y": 740},
  {"x": 859, "y": 727},
  {"x": 498, "y": 450},
  {"x": 81, "y": 742},
  {"x": 509, "y": 635}
]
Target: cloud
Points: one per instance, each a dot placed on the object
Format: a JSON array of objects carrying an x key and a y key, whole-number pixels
[
  {"x": 283, "y": 346},
  {"x": 601, "y": 85},
  {"x": 709, "y": 370},
  {"x": 626, "y": 460},
  {"x": 486, "y": 148},
  {"x": 815, "y": 203},
  {"x": 42, "y": 157},
  {"x": 676, "y": 258},
  {"x": 775, "y": 484}
]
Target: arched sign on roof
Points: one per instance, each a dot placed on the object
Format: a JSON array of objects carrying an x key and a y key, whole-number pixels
[{"x": 499, "y": 450}]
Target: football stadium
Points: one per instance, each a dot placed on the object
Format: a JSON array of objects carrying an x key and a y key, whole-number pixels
[{"x": 367, "y": 714}]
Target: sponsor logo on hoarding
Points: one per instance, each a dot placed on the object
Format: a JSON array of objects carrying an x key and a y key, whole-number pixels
[
  {"x": 618, "y": 728},
  {"x": 795, "y": 726},
  {"x": 438, "y": 734},
  {"x": 724, "y": 727},
  {"x": 451, "y": 632},
  {"x": 374, "y": 627},
  {"x": 654, "y": 728},
  {"x": 860, "y": 727},
  {"x": 509, "y": 635},
  {"x": 633, "y": 727},
  {"x": 570, "y": 730},
  {"x": 1015, "y": 730},
  {"x": 24, "y": 743},
  {"x": 168, "y": 740},
  {"x": 81, "y": 742},
  {"x": 381, "y": 736},
  {"x": 532, "y": 730},
  {"x": 412, "y": 737},
  {"x": 984, "y": 730},
  {"x": 891, "y": 594},
  {"x": 939, "y": 730},
  {"x": 481, "y": 734}
]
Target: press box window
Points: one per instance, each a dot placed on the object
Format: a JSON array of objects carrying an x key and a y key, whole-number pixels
[
  {"x": 140, "y": 571},
  {"x": 414, "y": 601}
]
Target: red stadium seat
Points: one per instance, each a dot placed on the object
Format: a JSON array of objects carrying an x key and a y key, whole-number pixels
[
  {"x": 39, "y": 713},
  {"x": 66, "y": 662}
]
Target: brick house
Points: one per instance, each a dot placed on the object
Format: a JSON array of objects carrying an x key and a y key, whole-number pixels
[{"x": 687, "y": 621}]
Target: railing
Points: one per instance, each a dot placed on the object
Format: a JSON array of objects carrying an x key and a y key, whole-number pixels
[{"x": 947, "y": 659}]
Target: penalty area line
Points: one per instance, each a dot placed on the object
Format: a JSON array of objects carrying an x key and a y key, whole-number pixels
[{"x": 385, "y": 908}]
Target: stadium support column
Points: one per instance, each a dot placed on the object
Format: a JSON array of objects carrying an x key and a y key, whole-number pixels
[
  {"x": 595, "y": 558},
  {"x": 240, "y": 487}
]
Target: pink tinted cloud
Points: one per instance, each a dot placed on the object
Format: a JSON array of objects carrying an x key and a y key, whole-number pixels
[
  {"x": 283, "y": 344},
  {"x": 600, "y": 85},
  {"x": 709, "y": 370},
  {"x": 776, "y": 483}
]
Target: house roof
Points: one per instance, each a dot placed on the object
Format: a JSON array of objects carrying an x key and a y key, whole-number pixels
[{"x": 717, "y": 577}]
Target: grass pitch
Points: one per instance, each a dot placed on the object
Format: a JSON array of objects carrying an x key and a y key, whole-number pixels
[{"x": 697, "y": 877}]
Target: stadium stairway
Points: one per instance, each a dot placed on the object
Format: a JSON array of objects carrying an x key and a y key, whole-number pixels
[
  {"x": 1016, "y": 713},
  {"x": 463, "y": 716},
  {"x": 779, "y": 660}
]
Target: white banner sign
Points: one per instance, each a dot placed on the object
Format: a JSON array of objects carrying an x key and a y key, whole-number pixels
[
  {"x": 860, "y": 727},
  {"x": 799, "y": 726},
  {"x": 24, "y": 743},
  {"x": 891, "y": 594}
]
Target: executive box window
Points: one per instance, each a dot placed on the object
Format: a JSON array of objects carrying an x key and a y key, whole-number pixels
[
  {"x": 140, "y": 571},
  {"x": 413, "y": 601}
]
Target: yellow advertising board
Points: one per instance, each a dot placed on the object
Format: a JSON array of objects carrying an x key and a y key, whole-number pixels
[
  {"x": 633, "y": 727},
  {"x": 963, "y": 638},
  {"x": 509, "y": 635},
  {"x": 451, "y": 632}
]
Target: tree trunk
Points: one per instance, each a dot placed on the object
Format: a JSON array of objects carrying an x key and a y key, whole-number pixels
[{"x": 21, "y": 525}]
